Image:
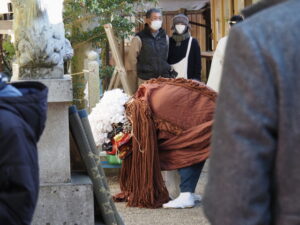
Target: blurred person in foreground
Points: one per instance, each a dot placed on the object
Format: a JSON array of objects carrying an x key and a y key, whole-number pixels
[
  {"x": 23, "y": 107},
  {"x": 254, "y": 168}
]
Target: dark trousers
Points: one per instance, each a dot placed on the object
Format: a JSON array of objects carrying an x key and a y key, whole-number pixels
[{"x": 189, "y": 177}]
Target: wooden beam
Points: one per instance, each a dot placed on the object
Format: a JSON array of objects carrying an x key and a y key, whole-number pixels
[
  {"x": 236, "y": 7},
  {"x": 248, "y": 2},
  {"x": 6, "y": 26},
  {"x": 222, "y": 19},
  {"x": 213, "y": 23},
  {"x": 120, "y": 72}
]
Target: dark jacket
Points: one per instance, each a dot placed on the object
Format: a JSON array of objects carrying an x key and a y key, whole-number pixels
[
  {"x": 254, "y": 174},
  {"x": 261, "y": 5},
  {"x": 177, "y": 53},
  {"x": 152, "y": 60},
  {"x": 22, "y": 120}
]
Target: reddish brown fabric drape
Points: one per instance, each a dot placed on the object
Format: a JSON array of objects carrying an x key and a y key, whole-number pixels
[
  {"x": 183, "y": 111},
  {"x": 171, "y": 121}
]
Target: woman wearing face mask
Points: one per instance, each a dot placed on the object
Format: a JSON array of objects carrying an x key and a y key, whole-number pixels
[
  {"x": 184, "y": 50},
  {"x": 185, "y": 58}
]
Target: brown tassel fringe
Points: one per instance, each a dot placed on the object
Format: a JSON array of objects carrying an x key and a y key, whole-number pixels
[{"x": 141, "y": 182}]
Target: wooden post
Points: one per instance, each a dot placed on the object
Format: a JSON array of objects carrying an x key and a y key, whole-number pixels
[
  {"x": 120, "y": 71},
  {"x": 221, "y": 11},
  {"x": 113, "y": 80},
  {"x": 213, "y": 23}
]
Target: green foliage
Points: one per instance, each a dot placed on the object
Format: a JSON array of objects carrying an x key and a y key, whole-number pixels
[
  {"x": 106, "y": 72},
  {"x": 84, "y": 20},
  {"x": 79, "y": 13},
  {"x": 9, "y": 49},
  {"x": 8, "y": 54}
]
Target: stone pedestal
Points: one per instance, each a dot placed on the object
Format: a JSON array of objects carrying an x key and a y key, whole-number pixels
[{"x": 63, "y": 199}]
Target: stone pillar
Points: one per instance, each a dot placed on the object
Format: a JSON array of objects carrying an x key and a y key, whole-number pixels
[
  {"x": 93, "y": 80},
  {"x": 62, "y": 199},
  {"x": 41, "y": 49},
  {"x": 15, "y": 72}
]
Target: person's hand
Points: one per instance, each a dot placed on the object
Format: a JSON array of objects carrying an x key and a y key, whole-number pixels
[{"x": 172, "y": 73}]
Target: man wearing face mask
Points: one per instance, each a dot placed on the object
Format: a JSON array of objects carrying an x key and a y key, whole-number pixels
[
  {"x": 148, "y": 53},
  {"x": 184, "y": 51}
]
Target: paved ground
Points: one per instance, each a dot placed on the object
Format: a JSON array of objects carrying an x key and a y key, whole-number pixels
[{"x": 140, "y": 216}]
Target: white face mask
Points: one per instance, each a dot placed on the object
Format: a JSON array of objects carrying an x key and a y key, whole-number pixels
[
  {"x": 180, "y": 28},
  {"x": 156, "y": 24}
]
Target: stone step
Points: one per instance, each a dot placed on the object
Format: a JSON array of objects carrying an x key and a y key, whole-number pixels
[{"x": 66, "y": 203}]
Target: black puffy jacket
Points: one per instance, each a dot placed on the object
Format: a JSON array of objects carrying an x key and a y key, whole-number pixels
[
  {"x": 22, "y": 120},
  {"x": 152, "y": 60}
]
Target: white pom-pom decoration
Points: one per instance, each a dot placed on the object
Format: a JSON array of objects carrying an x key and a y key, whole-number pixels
[{"x": 109, "y": 110}]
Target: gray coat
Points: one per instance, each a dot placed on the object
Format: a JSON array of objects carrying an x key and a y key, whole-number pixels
[{"x": 254, "y": 174}]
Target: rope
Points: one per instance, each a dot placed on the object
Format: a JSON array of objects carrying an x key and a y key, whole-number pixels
[{"x": 78, "y": 73}]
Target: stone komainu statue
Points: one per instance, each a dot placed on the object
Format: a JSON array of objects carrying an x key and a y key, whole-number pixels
[{"x": 41, "y": 47}]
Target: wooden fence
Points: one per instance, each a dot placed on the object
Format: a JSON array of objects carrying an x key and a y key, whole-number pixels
[{"x": 221, "y": 12}]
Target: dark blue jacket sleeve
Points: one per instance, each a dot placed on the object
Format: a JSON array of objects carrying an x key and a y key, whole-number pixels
[{"x": 19, "y": 178}]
